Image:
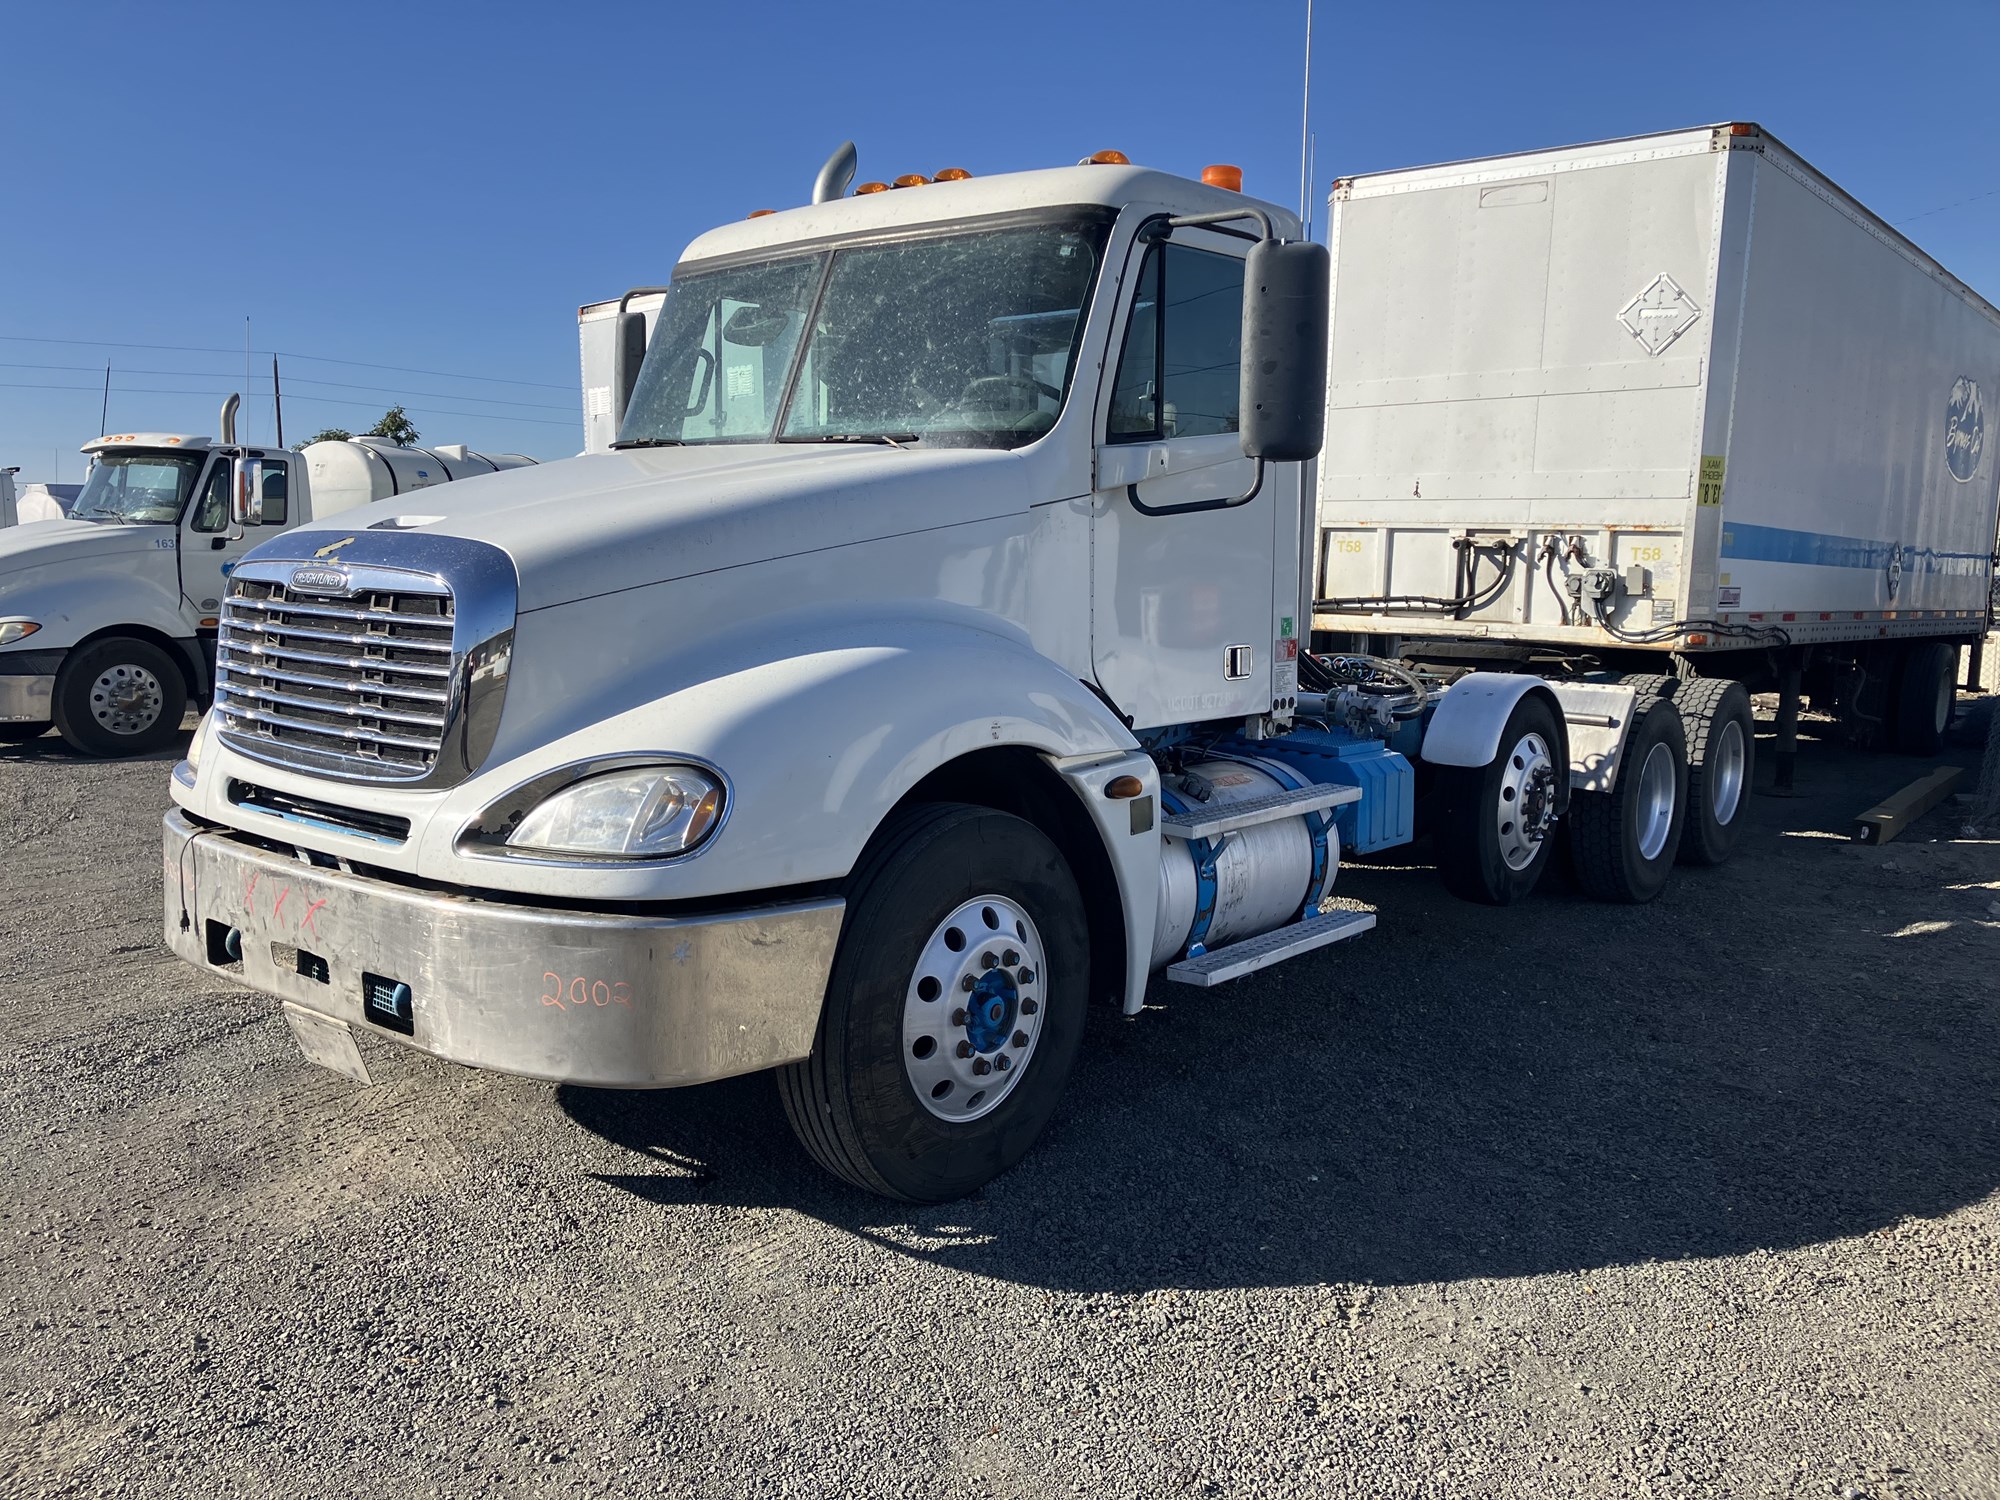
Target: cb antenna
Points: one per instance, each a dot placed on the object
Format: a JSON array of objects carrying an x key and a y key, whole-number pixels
[{"x": 1305, "y": 127}]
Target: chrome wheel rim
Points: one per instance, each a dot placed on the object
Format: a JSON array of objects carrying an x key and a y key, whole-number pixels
[
  {"x": 1527, "y": 801},
  {"x": 126, "y": 699},
  {"x": 1726, "y": 760},
  {"x": 1653, "y": 818},
  {"x": 972, "y": 1014}
]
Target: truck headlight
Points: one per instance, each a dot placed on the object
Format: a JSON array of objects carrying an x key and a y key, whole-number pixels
[
  {"x": 641, "y": 814},
  {"x": 188, "y": 769},
  {"x": 17, "y": 630}
]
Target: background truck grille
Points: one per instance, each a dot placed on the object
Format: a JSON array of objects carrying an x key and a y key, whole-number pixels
[{"x": 359, "y": 684}]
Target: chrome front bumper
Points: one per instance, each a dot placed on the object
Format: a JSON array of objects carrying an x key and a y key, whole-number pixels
[
  {"x": 27, "y": 700},
  {"x": 573, "y": 997}
]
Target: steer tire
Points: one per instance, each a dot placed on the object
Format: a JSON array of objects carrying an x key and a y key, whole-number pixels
[
  {"x": 1466, "y": 838},
  {"x": 1926, "y": 697},
  {"x": 81, "y": 701},
  {"x": 853, "y": 1102},
  {"x": 1610, "y": 832}
]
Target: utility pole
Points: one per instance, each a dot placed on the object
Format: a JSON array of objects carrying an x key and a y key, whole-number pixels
[
  {"x": 104, "y": 407},
  {"x": 246, "y": 374},
  {"x": 277, "y": 402}
]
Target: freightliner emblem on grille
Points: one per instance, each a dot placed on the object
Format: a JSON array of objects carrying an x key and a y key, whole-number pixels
[{"x": 322, "y": 581}]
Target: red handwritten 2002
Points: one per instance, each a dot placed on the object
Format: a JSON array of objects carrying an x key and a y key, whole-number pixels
[{"x": 583, "y": 992}]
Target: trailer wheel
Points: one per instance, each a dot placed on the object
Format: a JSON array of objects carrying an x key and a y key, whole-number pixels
[
  {"x": 954, "y": 1010},
  {"x": 119, "y": 696},
  {"x": 1623, "y": 841},
  {"x": 1722, "y": 755},
  {"x": 1495, "y": 822},
  {"x": 1926, "y": 697}
]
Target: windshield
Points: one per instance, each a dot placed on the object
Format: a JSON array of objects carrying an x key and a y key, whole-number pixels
[
  {"x": 143, "y": 488},
  {"x": 960, "y": 339}
]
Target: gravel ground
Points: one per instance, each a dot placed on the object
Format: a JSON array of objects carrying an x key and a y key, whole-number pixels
[{"x": 1697, "y": 1198}]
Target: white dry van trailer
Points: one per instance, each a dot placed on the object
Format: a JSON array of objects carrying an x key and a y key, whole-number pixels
[
  {"x": 1674, "y": 407},
  {"x": 598, "y": 326},
  {"x": 109, "y": 617},
  {"x": 922, "y": 661}
]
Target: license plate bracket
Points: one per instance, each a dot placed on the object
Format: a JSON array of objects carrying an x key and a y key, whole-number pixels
[{"x": 328, "y": 1042}]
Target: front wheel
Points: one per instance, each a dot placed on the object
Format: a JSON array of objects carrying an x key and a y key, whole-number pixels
[
  {"x": 954, "y": 1010},
  {"x": 1494, "y": 822},
  {"x": 119, "y": 696}
]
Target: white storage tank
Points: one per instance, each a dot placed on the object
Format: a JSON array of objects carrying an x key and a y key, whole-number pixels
[{"x": 362, "y": 470}]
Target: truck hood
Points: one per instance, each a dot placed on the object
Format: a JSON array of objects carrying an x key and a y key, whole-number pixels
[
  {"x": 612, "y": 521},
  {"x": 43, "y": 544}
]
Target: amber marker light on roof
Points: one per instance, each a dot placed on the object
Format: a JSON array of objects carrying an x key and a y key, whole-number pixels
[
  {"x": 871, "y": 187},
  {"x": 952, "y": 174},
  {"x": 1108, "y": 159},
  {"x": 910, "y": 179},
  {"x": 758, "y": 213},
  {"x": 1223, "y": 176},
  {"x": 1741, "y": 128}
]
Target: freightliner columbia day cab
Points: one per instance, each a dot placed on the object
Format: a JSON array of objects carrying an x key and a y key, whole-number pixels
[
  {"x": 922, "y": 664},
  {"x": 108, "y": 617}
]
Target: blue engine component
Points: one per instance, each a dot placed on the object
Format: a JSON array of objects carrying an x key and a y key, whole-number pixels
[{"x": 1386, "y": 814}]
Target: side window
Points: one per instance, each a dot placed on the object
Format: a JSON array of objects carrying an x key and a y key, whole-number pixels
[
  {"x": 276, "y": 494},
  {"x": 211, "y": 511},
  {"x": 1179, "y": 373}
]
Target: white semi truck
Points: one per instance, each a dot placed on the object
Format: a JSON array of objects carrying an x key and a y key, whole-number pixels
[
  {"x": 923, "y": 662},
  {"x": 108, "y": 619}
]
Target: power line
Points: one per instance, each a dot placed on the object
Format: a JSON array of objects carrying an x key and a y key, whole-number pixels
[
  {"x": 1976, "y": 197},
  {"x": 325, "y": 359},
  {"x": 380, "y": 390},
  {"x": 428, "y": 411}
]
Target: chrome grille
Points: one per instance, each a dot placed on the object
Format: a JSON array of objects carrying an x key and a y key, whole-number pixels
[{"x": 358, "y": 684}]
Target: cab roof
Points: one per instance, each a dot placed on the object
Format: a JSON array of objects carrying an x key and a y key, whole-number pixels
[
  {"x": 147, "y": 440},
  {"x": 941, "y": 203}
]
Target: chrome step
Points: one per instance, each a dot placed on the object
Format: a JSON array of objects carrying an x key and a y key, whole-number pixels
[
  {"x": 1207, "y": 822},
  {"x": 1252, "y": 954}
]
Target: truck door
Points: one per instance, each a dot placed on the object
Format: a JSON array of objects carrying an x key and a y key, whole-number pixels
[
  {"x": 1181, "y": 608},
  {"x": 208, "y": 551}
]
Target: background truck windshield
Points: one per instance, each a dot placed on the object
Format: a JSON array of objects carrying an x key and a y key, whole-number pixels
[
  {"x": 146, "y": 488},
  {"x": 964, "y": 338}
]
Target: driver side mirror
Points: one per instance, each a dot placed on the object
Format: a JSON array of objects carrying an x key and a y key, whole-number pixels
[
  {"x": 1286, "y": 291},
  {"x": 246, "y": 491}
]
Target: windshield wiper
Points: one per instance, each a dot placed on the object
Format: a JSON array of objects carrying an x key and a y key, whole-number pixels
[
  {"x": 651, "y": 443},
  {"x": 892, "y": 439},
  {"x": 116, "y": 515}
]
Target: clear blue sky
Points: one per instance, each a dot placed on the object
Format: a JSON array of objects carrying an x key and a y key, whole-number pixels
[{"x": 439, "y": 187}]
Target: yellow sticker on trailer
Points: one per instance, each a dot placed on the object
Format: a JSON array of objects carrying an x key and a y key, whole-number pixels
[{"x": 1709, "y": 490}]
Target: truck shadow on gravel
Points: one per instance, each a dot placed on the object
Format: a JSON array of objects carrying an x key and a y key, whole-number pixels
[{"x": 1795, "y": 1048}]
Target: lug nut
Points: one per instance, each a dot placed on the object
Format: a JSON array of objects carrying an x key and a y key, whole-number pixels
[
  {"x": 1026, "y": 976},
  {"x": 982, "y": 1067},
  {"x": 964, "y": 1049},
  {"x": 958, "y": 1016},
  {"x": 1002, "y": 1063},
  {"x": 988, "y": 961},
  {"x": 1029, "y": 1007},
  {"x": 1010, "y": 958},
  {"x": 1020, "y": 1039}
]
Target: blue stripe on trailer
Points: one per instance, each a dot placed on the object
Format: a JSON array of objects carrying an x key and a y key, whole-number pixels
[{"x": 1744, "y": 542}]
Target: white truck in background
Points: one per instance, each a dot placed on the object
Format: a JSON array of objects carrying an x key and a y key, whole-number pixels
[
  {"x": 108, "y": 618},
  {"x": 1675, "y": 409}
]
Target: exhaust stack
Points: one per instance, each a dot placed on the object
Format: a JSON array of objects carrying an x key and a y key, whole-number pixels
[
  {"x": 229, "y": 419},
  {"x": 835, "y": 177}
]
